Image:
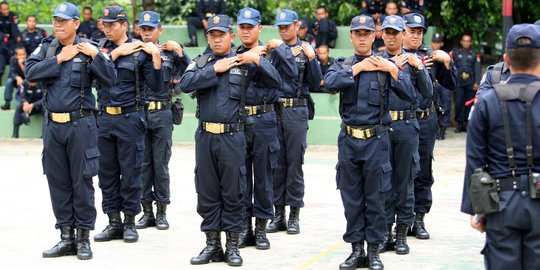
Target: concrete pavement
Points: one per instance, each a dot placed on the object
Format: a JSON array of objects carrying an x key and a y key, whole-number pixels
[{"x": 27, "y": 221}]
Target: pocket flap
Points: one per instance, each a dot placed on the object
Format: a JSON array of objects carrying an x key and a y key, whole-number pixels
[
  {"x": 374, "y": 85},
  {"x": 274, "y": 146},
  {"x": 92, "y": 153},
  {"x": 243, "y": 170},
  {"x": 416, "y": 158},
  {"x": 140, "y": 146},
  {"x": 386, "y": 167},
  {"x": 127, "y": 63}
]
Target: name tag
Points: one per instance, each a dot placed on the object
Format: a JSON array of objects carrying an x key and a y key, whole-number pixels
[{"x": 235, "y": 71}]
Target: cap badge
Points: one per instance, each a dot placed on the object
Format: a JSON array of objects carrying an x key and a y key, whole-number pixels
[
  {"x": 362, "y": 20},
  {"x": 417, "y": 19},
  {"x": 247, "y": 14},
  {"x": 146, "y": 17},
  {"x": 106, "y": 12},
  {"x": 392, "y": 20},
  {"x": 216, "y": 20},
  {"x": 62, "y": 8},
  {"x": 282, "y": 15}
]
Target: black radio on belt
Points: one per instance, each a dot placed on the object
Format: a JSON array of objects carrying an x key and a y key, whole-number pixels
[{"x": 534, "y": 185}]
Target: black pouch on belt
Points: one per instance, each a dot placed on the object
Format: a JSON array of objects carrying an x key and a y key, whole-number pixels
[
  {"x": 177, "y": 109},
  {"x": 483, "y": 192}
]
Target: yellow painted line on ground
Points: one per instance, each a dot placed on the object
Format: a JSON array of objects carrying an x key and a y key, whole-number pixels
[{"x": 320, "y": 255}]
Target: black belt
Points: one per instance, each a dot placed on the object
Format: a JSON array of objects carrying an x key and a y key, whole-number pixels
[
  {"x": 66, "y": 117},
  {"x": 112, "y": 110},
  {"x": 259, "y": 109},
  {"x": 423, "y": 114},
  {"x": 293, "y": 102},
  {"x": 219, "y": 128},
  {"x": 508, "y": 184},
  {"x": 402, "y": 115},
  {"x": 156, "y": 105},
  {"x": 364, "y": 133}
]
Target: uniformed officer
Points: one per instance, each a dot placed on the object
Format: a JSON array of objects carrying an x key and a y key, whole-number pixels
[
  {"x": 88, "y": 25},
  {"x": 364, "y": 168},
  {"x": 404, "y": 137},
  {"x": 9, "y": 32},
  {"x": 494, "y": 75},
  {"x": 66, "y": 66},
  {"x": 220, "y": 81},
  {"x": 442, "y": 95},
  {"x": 155, "y": 181},
  {"x": 501, "y": 140},
  {"x": 443, "y": 72},
  {"x": 31, "y": 103},
  {"x": 374, "y": 8},
  {"x": 204, "y": 9},
  {"x": 32, "y": 35},
  {"x": 16, "y": 76},
  {"x": 293, "y": 126},
  {"x": 122, "y": 124},
  {"x": 469, "y": 73},
  {"x": 261, "y": 137},
  {"x": 412, "y": 6}
]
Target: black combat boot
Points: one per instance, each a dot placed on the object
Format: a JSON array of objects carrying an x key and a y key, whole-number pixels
[
  {"x": 356, "y": 259},
  {"x": 373, "y": 260},
  {"x": 130, "y": 232},
  {"x": 246, "y": 236},
  {"x": 401, "y": 239},
  {"x": 389, "y": 241},
  {"x": 293, "y": 227},
  {"x": 147, "y": 219},
  {"x": 232, "y": 254},
  {"x": 83, "y": 244},
  {"x": 443, "y": 133},
  {"x": 461, "y": 127},
  {"x": 161, "y": 216},
  {"x": 192, "y": 42},
  {"x": 278, "y": 223},
  {"x": 261, "y": 242},
  {"x": 113, "y": 230},
  {"x": 15, "y": 131},
  {"x": 418, "y": 228},
  {"x": 65, "y": 247},
  {"x": 213, "y": 250},
  {"x": 6, "y": 106}
]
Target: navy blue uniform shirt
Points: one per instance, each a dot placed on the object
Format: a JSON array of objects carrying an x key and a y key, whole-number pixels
[
  {"x": 207, "y": 8},
  {"x": 219, "y": 94},
  {"x": 312, "y": 76},
  {"x": 486, "y": 147},
  {"x": 486, "y": 82},
  {"x": 467, "y": 61},
  {"x": 9, "y": 26},
  {"x": 31, "y": 40},
  {"x": 32, "y": 95},
  {"x": 172, "y": 65},
  {"x": 123, "y": 93},
  {"x": 63, "y": 82},
  {"x": 361, "y": 95}
]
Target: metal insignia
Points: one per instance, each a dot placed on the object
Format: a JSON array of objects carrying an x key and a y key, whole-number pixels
[
  {"x": 282, "y": 15},
  {"x": 106, "y": 12},
  {"x": 62, "y": 8},
  {"x": 247, "y": 14},
  {"x": 362, "y": 20},
  {"x": 216, "y": 20},
  {"x": 417, "y": 19},
  {"x": 146, "y": 17}
]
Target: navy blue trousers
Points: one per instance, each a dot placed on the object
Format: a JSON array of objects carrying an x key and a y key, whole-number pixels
[
  {"x": 462, "y": 94},
  {"x": 363, "y": 177},
  {"x": 444, "y": 99},
  {"x": 220, "y": 174},
  {"x": 261, "y": 160},
  {"x": 288, "y": 175},
  {"x": 404, "y": 157},
  {"x": 121, "y": 143},
  {"x": 70, "y": 160},
  {"x": 155, "y": 180},
  {"x": 424, "y": 180}
]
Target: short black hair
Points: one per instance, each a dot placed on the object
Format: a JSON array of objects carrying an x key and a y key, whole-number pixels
[
  {"x": 323, "y": 7},
  {"x": 523, "y": 58},
  {"x": 88, "y": 8},
  {"x": 30, "y": 16},
  {"x": 4, "y": 3}
]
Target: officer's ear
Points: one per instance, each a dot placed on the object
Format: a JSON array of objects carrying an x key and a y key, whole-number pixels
[
  {"x": 260, "y": 27},
  {"x": 77, "y": 23},
  {"x": 232, "y": 36},
  {"x": 507, "y": 60}
]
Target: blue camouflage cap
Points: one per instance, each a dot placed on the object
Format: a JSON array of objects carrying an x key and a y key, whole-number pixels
[
  {"x": 219, "y": 22},
  {"x": 149, "y": 18},
  {"x": 248, "y": 15},
  {"x": 415, "y": 20},
  {"x": 437, "y": 37},
  {"x": 395, "y": 22},
  {"x": 286, "y": 17},
  {"x": 113, "y": 14},
  {"x": 362, "y": 22},
  {"x": 523, "y": 36},
  {"x": 67, "y": 11}
]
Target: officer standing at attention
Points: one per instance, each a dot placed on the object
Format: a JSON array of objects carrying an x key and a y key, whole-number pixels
[
  {"x": 442, "y": 71},
  {"x": 66, "y": 66},
  {"x": 261, "y": 137},
  {"x": 31, "y": 103},
  {"x": 502, "y": 141},
  {"x": 155, "y": 181},
  {"x": 10, "y": 35},
  {"x": 205, "y": 9},
  {"x": 363, "y": 169},
  {"x": 122, "y": 124},
  {"x": 469, "y": 73},
  {"x": 442, "y": 95},
  {"x": 293, "y": 126},
  {"x": 220, "y": 81},
  {"x": 404, "y": 137}
]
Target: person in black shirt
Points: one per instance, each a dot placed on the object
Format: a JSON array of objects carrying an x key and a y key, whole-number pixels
[
  {"x": 88, "y": 25},
  {"x": 31, "y": 103},
  {"x": 324, "y": 29},
  {"x": 136, "y": 33},
  {"x": 325, "y": 61},
  {"x": 16, "y": 75},
  {"x": 99, "y": 32},
  {"x": 10, "y": 35},
  {"x": 205, "y": 9}
]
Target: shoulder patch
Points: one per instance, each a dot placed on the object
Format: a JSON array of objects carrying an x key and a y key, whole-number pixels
[
  {"x": 191, "y": 65},
  {"x": 37, "y": 50}
]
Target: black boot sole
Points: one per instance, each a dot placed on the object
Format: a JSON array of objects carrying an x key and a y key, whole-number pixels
[
  {"x": 84, "y": 258},
  {"x": 70, "y": 253},
  {"x": 217, "y": 259}
]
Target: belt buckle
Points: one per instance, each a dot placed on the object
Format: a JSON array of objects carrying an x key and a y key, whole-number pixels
[
  {"x": 288, "y": 102},
  {"x": 60, "y": 117},
  {"x": 251, "y": 110},
  {"x": 465, "y": 75},
  {"x": 393, "y": 115},
  {"x": 209, "y": 14},
  {"x": 358, "y": 133},
  {"x": 113, "y": 110},
  {"x": 159, "y": 105},
  {"x": 151, "y": 106},
  {"x": 215, "y": 128}
]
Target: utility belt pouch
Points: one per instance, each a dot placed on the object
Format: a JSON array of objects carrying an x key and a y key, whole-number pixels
[
  {"x": 483, "y": 192},
  {"x": 177, "y": 109},
  {"x": 311, "y": 107},
  {"x": 534, "y": 185}
]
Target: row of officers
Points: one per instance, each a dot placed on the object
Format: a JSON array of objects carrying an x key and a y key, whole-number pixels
[{"x": 253, "y": 106}]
